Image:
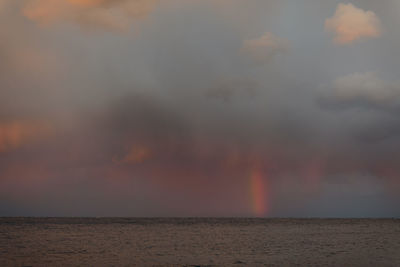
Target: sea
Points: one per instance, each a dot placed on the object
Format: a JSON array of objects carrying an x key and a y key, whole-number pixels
[{"x": 199, "y": 242}]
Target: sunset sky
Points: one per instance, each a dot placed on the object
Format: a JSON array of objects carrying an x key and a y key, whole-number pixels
[{"x": 277, "y": 108}]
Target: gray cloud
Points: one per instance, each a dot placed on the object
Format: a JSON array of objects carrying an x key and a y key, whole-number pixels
[
  {"x": 264, "y": 48},
  {"x": 362, "y": 90},
  {"x": 229, "y": 88}
]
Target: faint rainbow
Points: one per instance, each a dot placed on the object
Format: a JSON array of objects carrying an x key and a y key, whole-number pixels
[{"x": 258, "y": 193}]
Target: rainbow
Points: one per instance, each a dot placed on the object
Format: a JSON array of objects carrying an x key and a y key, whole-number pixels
[{"x": 258, "y": 193}]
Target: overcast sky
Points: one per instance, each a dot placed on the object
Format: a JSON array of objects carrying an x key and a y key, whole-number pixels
[{"x": 200, "y": 108}]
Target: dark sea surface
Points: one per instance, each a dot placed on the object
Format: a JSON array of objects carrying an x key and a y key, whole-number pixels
[{"x": 199, "y": 242}]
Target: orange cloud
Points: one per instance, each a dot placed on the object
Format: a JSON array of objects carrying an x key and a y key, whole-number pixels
[
  {"x": 137, "y": 154},
  {"x": 87, "y": 3},
  {"x": 18, "y": 133},
  {"x": 350, "y": 24},
  {"x": 104, "y": 14}
]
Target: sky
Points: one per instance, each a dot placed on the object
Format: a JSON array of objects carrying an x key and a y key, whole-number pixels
[{"x": 264, "y": 108}]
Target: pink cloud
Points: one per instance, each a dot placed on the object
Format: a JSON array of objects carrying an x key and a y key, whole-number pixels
[{"x": 350, "y": 24}]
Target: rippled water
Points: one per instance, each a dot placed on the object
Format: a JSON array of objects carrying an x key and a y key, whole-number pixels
[{"x": 198, "y": 242}]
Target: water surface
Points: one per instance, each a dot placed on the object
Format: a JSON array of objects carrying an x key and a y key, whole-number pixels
[{"x": 199, "y": 242}]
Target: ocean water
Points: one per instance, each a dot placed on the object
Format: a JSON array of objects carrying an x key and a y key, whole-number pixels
[{"x": 199, "y": 242}]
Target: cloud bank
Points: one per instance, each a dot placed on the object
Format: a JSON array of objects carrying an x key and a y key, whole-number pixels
[
  {"x": 363, "y": 90},
  {"x": 104, "y": 14}
]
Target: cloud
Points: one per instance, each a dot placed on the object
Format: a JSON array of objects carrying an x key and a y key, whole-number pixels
[
  {"x": 17, "y": 133},
  {"x": 264, "y": 48},
  {"x": 230, "y": 88},
  {"x": 104, "y": 14},
  {"x": 350, "y": 24},
  {"x": 137, "y": 154},
  {"x": 175, "y": 114},
  {"x": 362, "y": 89},
  {"x": 2, "y": 5}
]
